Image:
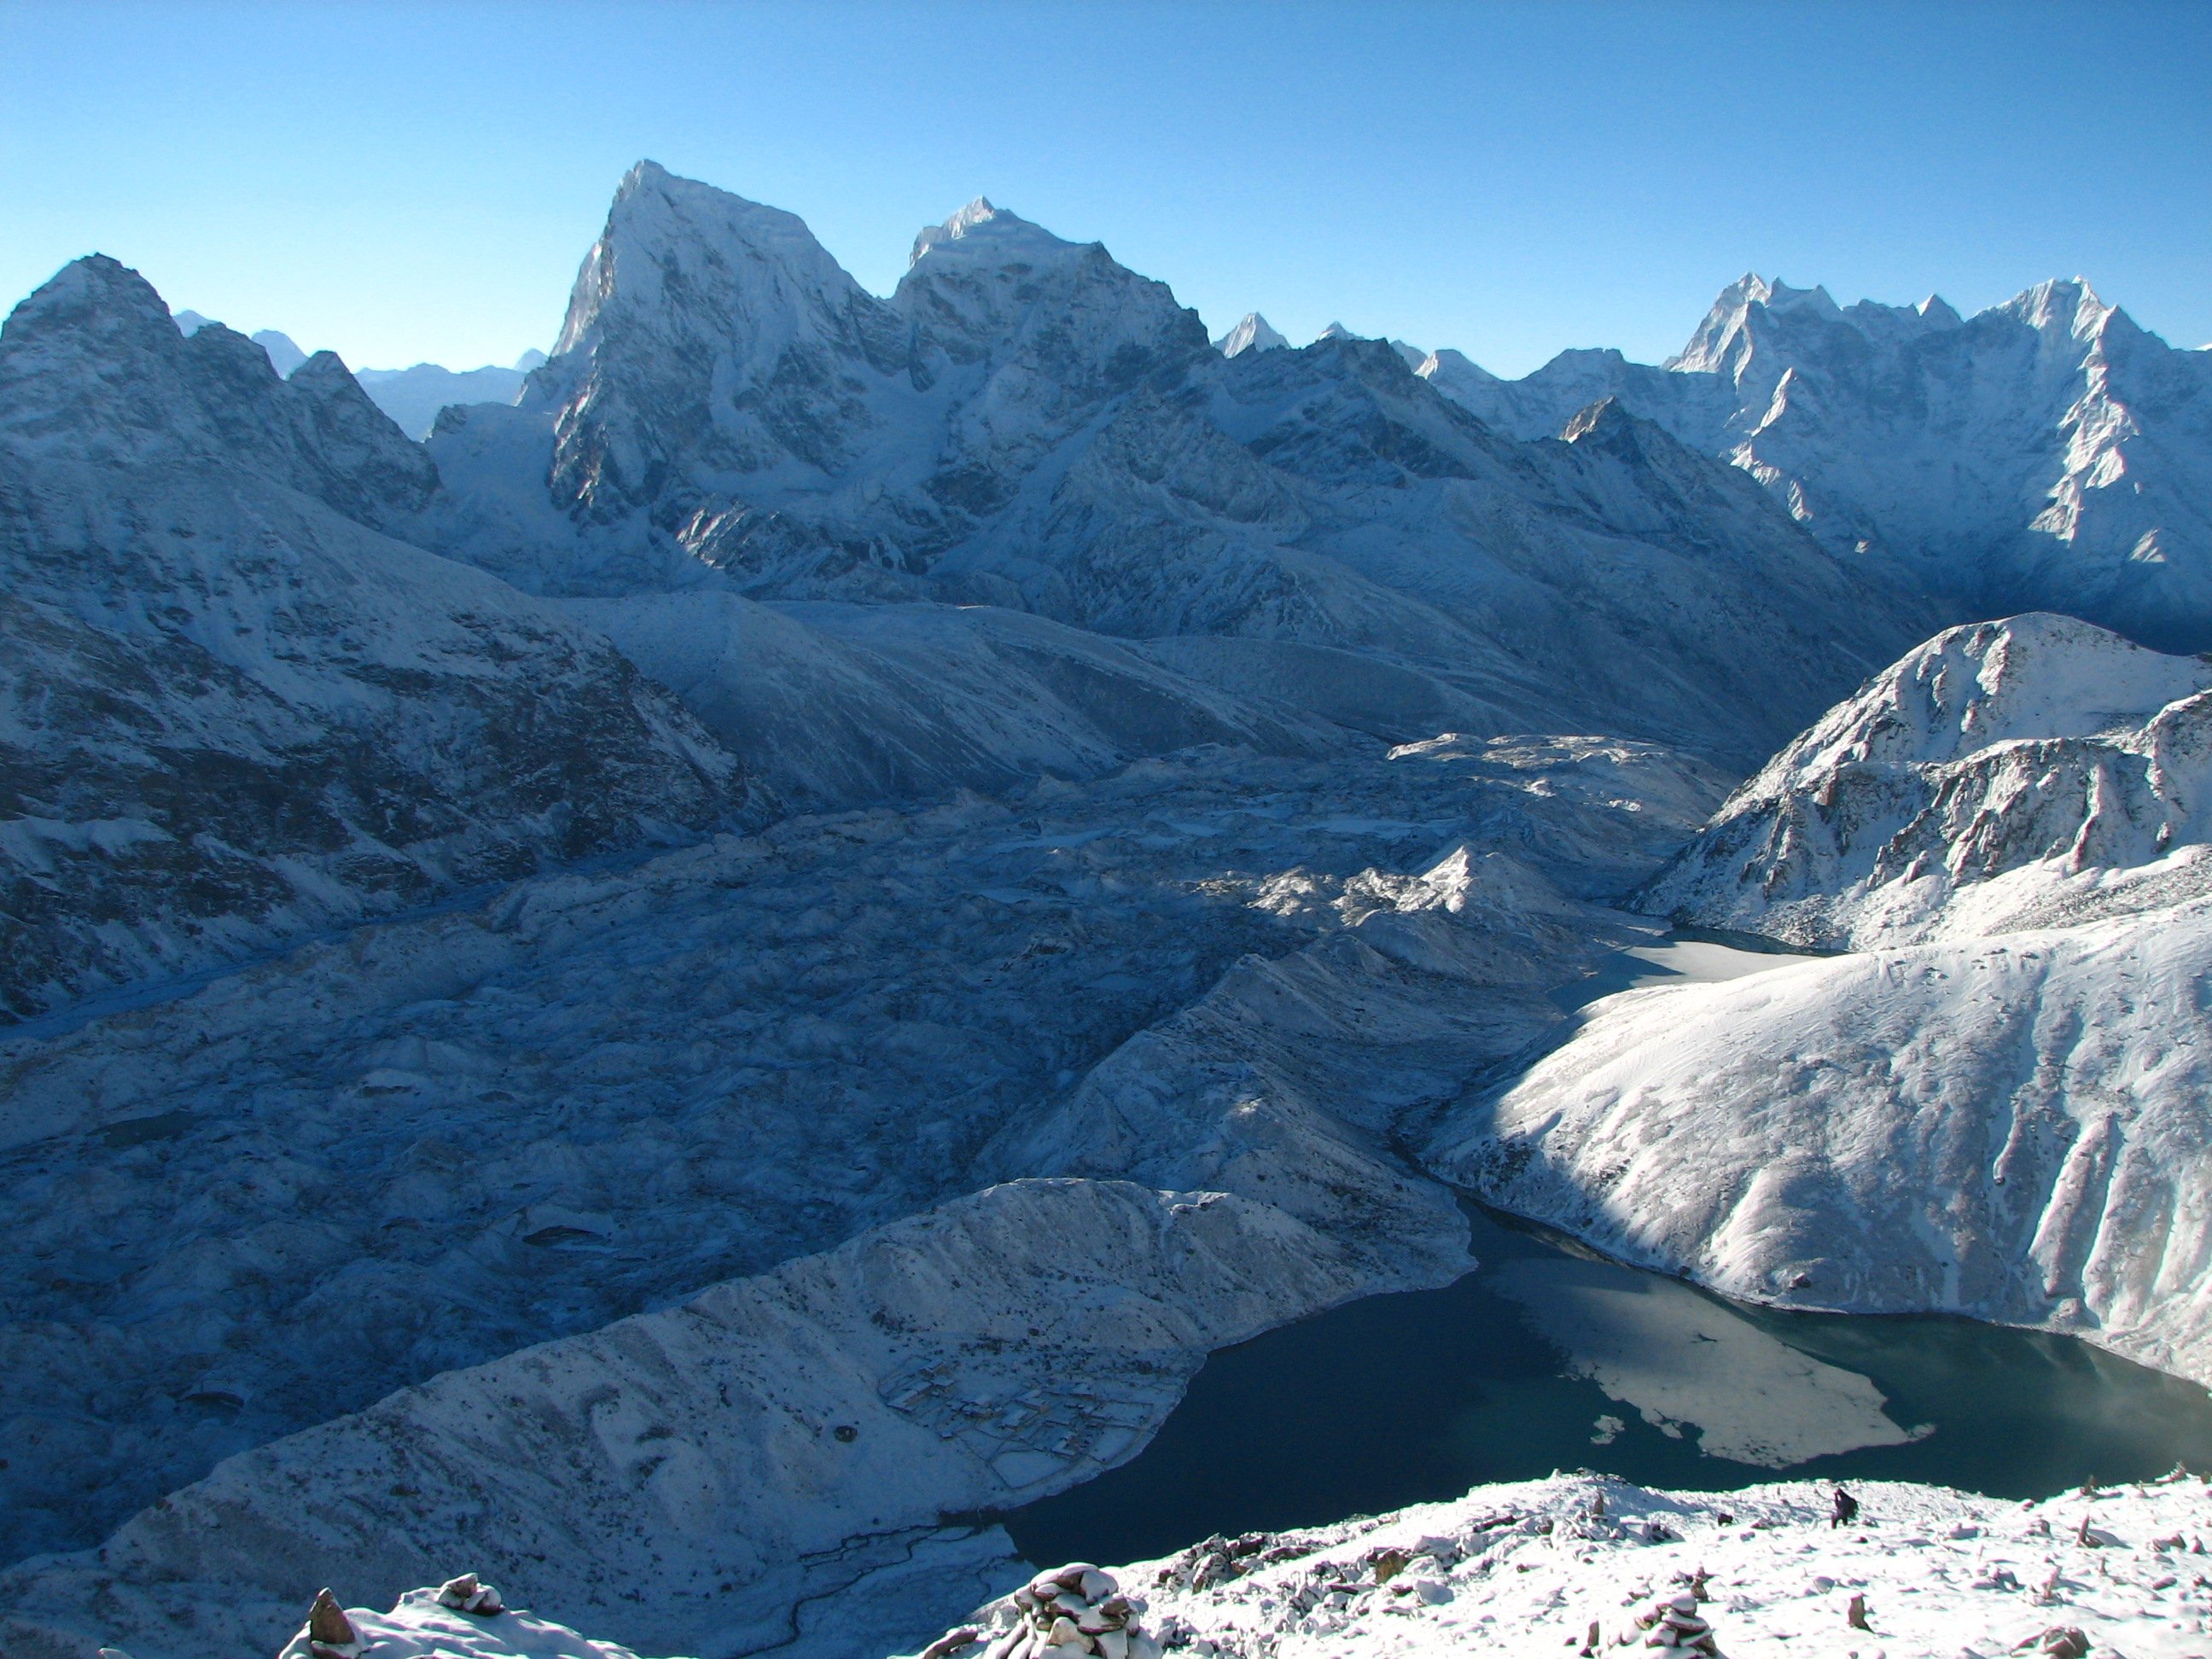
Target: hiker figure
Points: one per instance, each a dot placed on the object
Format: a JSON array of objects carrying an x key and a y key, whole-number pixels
[{"x": 1847, "y": 1509}]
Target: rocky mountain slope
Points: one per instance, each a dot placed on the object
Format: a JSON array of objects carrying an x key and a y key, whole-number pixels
[
  {"x": 2046, "y": 454},
  {"x": 235, "y": 711},
  {"x": 2029, "y": 772}
]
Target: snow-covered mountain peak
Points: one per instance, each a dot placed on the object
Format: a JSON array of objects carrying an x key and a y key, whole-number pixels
[
  {"x": 1007, "y": 235},
  {"x": 2037, "y": 675},
  {"x": 1455, "y": 374},
  {"x": 1337, "y": 332},
  {"x": 1252, "y": 333},
  {"x": 92, "y": 370},
  {"x": 1722, "y": 341},
  {"x": 2062, "y": 308},
  {"x": 1601, "y": 420},
  {"x": 1939, "y": 312},
  {"x": 2018, "y": 759},
  {"x": 695, "y": 255},
  {"x": 987, "y": 281},
  {"x": 93, "y": 355},
  {"x": 981, "y": 235},
  {"x": 693, "y": 310},
  {"x": 284, "y": 353}
]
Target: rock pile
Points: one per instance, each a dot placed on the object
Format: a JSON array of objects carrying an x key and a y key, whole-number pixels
[
  {"x": 1672, "y": 1622},
  {"x": 465, "y": 1594},
  {"x": 1067, "y": 1614}
]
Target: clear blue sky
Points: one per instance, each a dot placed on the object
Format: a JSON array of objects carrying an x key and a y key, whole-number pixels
[{"x": 410, "y": 182}]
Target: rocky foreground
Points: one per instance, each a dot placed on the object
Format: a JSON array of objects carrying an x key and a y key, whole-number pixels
[{"x": 1585, "y": 1564}]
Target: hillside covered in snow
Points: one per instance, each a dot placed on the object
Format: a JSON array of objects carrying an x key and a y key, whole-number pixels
[{"x": 1995, "y": 1104}]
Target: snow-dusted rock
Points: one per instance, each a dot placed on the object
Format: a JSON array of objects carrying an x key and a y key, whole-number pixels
[
  {"x": 422, "y": 1625},
  {"x": 1579, "y": 1562},
  {"x": 2023, "y": 773}
]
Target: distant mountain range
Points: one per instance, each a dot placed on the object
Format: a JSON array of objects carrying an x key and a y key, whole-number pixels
[{"x": 412, "y": 397}]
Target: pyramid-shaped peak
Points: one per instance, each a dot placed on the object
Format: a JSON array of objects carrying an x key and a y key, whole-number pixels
[
  {"x": 1447, "y": 366},
  {"x": 1603, "y": 420},
  {"x": 975, "y": 213},
  {"x": 1337, "y": 332},
  {"x": 676, "y": 245},
  {"x": 1252, "y": 333}
]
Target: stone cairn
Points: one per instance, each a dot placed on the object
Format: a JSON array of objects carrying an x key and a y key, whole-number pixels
[
  {"x": 1672, "y": 1622},
  {"x": 1067, "y": 1614},
  {"x": 465, "y": 1594}
]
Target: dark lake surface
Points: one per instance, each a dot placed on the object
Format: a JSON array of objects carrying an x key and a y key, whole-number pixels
[{"x": 1547, "y": 1357}]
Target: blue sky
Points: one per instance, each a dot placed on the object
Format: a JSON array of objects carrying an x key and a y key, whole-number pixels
[{"x": 403, "y": 183}]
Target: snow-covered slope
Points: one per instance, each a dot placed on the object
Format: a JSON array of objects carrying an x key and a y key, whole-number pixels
[
  {"x": 2016, "y": 1128},
  {"x": 838, "y": 704},
  {"x": 2009, "y": 1119},
  {"x": 1578, "y": 1563},
  {"x": 729, "y": 1450},
  {"x": 235, "y": 713},
  {"x": 2045, "y": 454},
  {"x": 2026, "y": 772},
  {"x": 1537, "y": 1564},
  {"x": 1027, "y": 423}
]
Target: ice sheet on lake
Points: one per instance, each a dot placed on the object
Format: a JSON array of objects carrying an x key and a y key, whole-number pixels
[{"x": 1682, "y": 1360}]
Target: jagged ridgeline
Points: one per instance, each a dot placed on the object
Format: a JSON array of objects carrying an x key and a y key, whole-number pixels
[
  {"x": 1027, "y": 424},
  {"x": 254, "y": 702}
]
